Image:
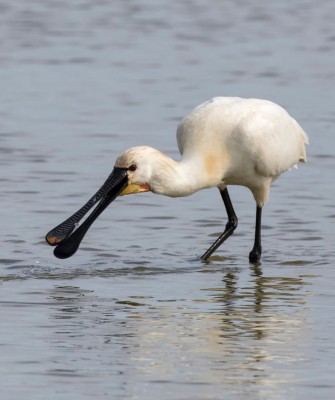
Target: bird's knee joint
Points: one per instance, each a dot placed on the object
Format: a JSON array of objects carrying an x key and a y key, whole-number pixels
[{"x": 232, "y": 223}]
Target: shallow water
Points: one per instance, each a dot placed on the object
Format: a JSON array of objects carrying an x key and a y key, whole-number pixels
[{"x": 135, "y": 314}]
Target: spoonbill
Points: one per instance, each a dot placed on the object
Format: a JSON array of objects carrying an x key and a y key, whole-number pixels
[{"x": 224, "y": 141}]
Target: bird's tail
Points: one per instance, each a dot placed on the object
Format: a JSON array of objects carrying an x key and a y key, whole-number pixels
[{"x": 303, "y": 141}]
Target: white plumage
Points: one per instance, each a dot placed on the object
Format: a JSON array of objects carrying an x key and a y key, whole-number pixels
[
  {"x": 224, "y": 141},
  {"x": 247, "y": 142}
]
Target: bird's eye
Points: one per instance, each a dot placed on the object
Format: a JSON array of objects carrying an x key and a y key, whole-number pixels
[{"x": 133, "y": 167}]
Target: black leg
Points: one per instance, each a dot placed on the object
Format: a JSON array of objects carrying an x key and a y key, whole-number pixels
[
  {"x": 255, "y": 254},
  {"x": 230, "y": 227}
]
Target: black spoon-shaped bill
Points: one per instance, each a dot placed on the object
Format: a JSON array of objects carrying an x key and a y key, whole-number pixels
[{"x": 61, "y": 234}]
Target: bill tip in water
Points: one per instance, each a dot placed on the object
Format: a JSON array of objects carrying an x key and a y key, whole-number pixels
[
  {"x": 66, "y": 250},
  {"x": 68, "y": 247},
  {"x": 59, "y": 253}
]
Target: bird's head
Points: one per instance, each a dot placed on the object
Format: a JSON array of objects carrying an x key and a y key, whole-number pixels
[
  {"x": 138, "y": 163},
  {"x": 147, "y": 169},
  {"x": 134, "y": 172}
]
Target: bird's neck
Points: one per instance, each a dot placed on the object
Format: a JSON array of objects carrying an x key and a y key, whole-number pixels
[{"x": 178, "y": 179}]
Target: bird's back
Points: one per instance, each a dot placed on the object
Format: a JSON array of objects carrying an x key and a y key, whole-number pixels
[{"x": 252, "y": 132}]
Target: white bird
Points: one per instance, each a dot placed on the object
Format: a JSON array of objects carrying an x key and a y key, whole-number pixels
[{"x": 224, "y": 141}]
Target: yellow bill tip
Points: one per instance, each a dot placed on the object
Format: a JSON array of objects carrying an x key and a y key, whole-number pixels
[{"x": 53, "y": 240}]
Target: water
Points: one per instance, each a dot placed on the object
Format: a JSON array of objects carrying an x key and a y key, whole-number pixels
[{"x": 135, "y": 314}]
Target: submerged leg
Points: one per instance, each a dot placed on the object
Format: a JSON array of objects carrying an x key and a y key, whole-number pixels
[
  {"x": 230, "y": 227},
  {"x": 255, "y": 254}
]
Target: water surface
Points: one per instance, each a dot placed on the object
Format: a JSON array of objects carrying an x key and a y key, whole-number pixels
[{"x": 135, "y": 314}]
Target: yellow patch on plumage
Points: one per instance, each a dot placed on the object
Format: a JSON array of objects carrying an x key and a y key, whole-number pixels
[{"x": 211, "y": 165}]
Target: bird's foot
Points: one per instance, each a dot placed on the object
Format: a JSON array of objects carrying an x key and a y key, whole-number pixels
[{"x": 255, "y": 255}]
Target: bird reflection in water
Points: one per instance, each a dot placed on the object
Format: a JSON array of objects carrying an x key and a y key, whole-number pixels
[{"x": 260, "y": 306}]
